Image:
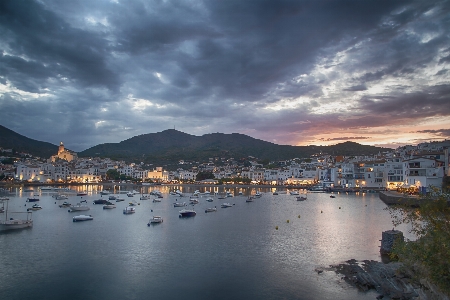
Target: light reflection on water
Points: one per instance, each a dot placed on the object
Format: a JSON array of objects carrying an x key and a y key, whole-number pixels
[{"x": 234, "y": 253}]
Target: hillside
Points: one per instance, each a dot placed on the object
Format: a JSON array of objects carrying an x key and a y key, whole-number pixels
[
  {"x": 12, "y": 140},
  {"x": 172, "y": 145}
]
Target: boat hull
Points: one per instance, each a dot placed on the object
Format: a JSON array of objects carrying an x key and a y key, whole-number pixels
[
  {"x": 15, "y": 224},
  {"x": 187, "y": 213}
]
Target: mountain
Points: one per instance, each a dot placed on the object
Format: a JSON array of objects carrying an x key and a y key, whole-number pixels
[
  {"x": 12, "y": 140},
  {"x": 172, "y": 145}
]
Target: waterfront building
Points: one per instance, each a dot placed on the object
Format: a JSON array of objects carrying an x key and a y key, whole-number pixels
[{"x": 423, "y": 172}]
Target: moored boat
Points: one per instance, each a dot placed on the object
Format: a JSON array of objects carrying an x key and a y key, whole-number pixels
[
  {"x": 35, "y": 207},
  {"x": 109, "y": 205},
  {"x": 32, "y": 199},
  {"x": 82, "y": 218},
  {"x": 193, "y": 201},
  {"x": 155, "y": 220},
  {"x": 79, "y": 207},
  {"x": 210, "y": 209},
  {"x": 249, "y": 199},
  {"x": 301, "y": 198},
  {"x": 179, "y": 204},
  {"x": 226, "y": 204},
  {"x": 129, "y": 210},
  {"x": 65, "y": 204},
  {"x": 100, "y": 201},
  {"x": 187, "y": 213},
  {"x": 12, "y": 223}
]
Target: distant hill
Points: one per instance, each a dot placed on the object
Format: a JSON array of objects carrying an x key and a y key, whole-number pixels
[
  {"x": 12, "y": 140},
  {"x": 172, "y": 145}
]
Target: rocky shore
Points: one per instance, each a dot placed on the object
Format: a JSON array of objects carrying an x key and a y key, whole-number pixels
[{"x": 390, "y": 280}]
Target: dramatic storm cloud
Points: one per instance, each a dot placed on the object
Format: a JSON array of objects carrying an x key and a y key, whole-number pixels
[{"x": 288, "y": 72}]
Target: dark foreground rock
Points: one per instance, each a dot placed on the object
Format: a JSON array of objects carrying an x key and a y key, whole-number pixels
[{"x": 388, "y": 279}]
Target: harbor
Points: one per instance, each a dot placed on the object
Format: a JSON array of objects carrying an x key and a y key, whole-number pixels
[{"x": 274, "y": 242}]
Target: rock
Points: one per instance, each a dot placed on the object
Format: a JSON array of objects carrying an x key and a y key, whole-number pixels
[{"x": 386, "y": 279}]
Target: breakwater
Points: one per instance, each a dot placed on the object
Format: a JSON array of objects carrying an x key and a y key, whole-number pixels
[{"x": 396, "y": 198}]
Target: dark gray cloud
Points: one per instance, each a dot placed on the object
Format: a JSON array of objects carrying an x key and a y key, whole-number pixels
[
  {"x": 103, "y": 71},
  {"x": 439, "y": 132}
]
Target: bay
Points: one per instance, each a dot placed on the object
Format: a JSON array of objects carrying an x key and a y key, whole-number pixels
[{"x": 266, "y": 249}]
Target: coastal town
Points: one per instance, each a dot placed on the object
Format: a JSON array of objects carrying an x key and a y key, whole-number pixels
[{"x": 409, "y": 168}]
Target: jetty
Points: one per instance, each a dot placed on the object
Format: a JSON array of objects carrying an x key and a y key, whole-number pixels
[{"x": 396, "y": 198}]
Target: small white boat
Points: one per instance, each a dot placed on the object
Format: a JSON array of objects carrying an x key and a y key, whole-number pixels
[
  {"x": 156, "y": 200},
  {"x": 61, "y": 197},
  {"x": 4, "y": 198},
  {"x": 155, "y": 220},
  {"x": 79, "y": 207},
  {"x": 133, "y": 203},
  {"x": 210, "y": 199},
  {"x": 301, "y": 198},
  {"x": 47, "y": 188},
  {"x": 82, "y": 218},
  {"x": 249, "y": 199},
  {"x": 258, "y": 194},
  {"x": 193, "y": 201},
  {"x": 129, "y": 210},
  {"x": 35, "y": 207},
  {"x": 130, "y": 194},
  {"x": 112, "y": 198},
  {"x": 210, "y": 209},
  {"x": 65, "y": 204},
  {"x": 105, "y": 192},
  {"x": 179, "y": 204},
  {"x": 294, "y": 192},
  {"x": 119, "y": 199},
  {"x": 145, "y": 197},
  {"x": 109, "y": 206},
  {"x": 226, "y": 204}
]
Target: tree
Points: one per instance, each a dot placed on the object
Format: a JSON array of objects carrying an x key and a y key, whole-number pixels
[
  {"x": 112, "y": 174},
  {"x": 204, "y": 175},
  {"x": 429, "y": 255}
]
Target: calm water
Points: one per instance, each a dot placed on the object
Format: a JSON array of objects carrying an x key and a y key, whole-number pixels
[{"x": 234, "y": 253}]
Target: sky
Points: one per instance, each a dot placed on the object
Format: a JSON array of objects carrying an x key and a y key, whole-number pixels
[{"x": 316, "y": 72}]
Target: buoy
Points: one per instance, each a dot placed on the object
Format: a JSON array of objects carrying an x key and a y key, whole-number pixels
[
  {"x": 151, "y": 210},
  {"x": 299, "y": 216},
  {"x": 276, "y": 227},
  {"x": 339, "y": 207},
  {"x": 321, "y": 211},
  {"x": 287, "y": 221}
]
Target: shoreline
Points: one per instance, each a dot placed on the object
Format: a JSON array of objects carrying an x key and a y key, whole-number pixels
[
  {"x": 392, "y": 280},
  {"x": 297, "y": 187}
]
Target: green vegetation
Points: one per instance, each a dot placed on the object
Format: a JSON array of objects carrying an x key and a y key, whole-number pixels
[
  {"x": 429, "y": 256},
  {"x": 8, "y": 161},
  {"x": 204, "y": 175}
]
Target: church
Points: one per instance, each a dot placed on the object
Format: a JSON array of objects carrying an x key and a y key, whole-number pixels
[{"x": 64, "y": 154}]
